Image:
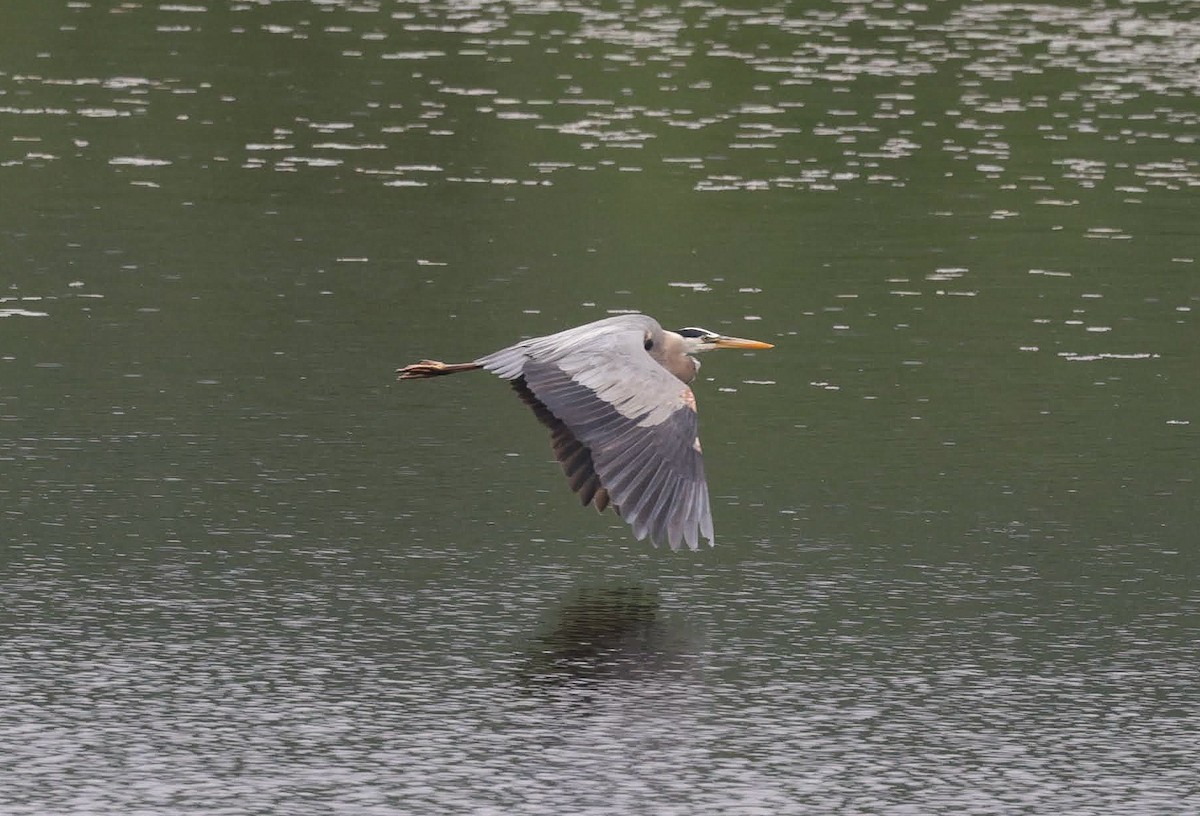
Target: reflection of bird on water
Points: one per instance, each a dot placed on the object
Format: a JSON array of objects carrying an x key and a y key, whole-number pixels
[
  {"x": 604, "y": 632},
  {"x": 622, "y": 425}
]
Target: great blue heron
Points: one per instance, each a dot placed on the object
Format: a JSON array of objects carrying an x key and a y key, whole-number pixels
[{"x": 622, "y": 425}]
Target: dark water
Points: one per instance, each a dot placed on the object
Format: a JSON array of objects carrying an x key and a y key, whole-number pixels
[{"x": 246, "y": 572}]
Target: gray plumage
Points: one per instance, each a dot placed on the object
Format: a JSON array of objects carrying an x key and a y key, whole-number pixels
[
  {"x": 622, "y": 419},
  {"x": 622, "y": 425}
]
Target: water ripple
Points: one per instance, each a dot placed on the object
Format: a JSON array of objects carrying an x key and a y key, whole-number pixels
[{"x": 929, "y": 89}]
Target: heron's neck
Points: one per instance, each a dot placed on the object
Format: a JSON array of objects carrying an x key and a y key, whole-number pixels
[{"x": 688, "y": 369}]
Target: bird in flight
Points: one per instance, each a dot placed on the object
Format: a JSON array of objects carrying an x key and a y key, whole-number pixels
[{"x": 622, "y": 419}]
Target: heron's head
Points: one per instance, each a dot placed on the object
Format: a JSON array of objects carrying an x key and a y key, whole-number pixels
[
  {"x": 675, "y": 351},
  {"x": 696, "y": 340}
]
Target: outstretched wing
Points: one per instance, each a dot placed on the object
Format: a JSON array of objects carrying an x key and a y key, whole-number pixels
[{"x": 622, "y": 426}]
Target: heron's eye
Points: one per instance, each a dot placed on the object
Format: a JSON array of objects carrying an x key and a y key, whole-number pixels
[{"x": 648, "y": 343}]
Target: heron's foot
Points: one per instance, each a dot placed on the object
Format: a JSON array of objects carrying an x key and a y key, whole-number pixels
[
  {"x": 421, "y": 370},
  {"x": 431, "y": 368}
]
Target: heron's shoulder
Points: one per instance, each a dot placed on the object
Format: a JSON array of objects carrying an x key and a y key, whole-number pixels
[
  {"x": 576, "y": 347},
  {"x": 609, "y": 332},
  {"x": 632, "y": 321}
]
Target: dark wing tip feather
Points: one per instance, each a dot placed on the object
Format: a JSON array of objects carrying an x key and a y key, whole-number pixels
[
  {"x": 602, "y": 500},
  {"x": 573, "y": 455}
]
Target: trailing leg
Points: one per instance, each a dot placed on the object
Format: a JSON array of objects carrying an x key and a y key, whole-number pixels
[{"x": 432, "y": 368}]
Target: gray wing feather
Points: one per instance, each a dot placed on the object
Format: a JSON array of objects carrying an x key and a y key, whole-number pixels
[{"x": 620, "y": 425}]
